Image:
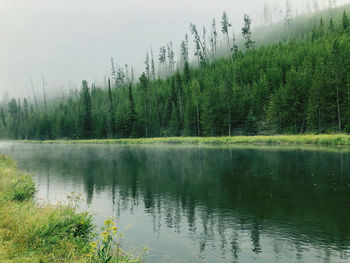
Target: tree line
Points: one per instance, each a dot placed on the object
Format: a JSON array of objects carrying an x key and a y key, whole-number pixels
[{"x": 298, "y": 86}]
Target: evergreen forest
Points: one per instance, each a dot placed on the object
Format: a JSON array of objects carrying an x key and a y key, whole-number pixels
[{"x": 297, "y": 84}]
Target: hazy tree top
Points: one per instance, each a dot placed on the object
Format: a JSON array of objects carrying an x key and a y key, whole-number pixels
[{"x": 68, "y": 41}]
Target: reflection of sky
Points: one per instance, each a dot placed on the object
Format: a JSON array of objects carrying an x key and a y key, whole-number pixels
[{"x": 180, "y": 228}]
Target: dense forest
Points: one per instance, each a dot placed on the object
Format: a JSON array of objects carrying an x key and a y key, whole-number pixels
[{"x": 297, "y": 85}]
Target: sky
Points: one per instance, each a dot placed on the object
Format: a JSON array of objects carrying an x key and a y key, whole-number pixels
[{"x": 72, "y": 40}]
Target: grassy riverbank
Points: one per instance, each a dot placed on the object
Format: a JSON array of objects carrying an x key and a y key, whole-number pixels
[
  {"x": 324, "y": 139},
  {"x": 40, "y": 233}
]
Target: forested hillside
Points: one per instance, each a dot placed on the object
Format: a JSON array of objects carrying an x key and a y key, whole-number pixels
[{"x": 296, "y": 86}]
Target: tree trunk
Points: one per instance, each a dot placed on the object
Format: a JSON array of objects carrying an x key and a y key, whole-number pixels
[
  {"x": 158, "y": 124},
  {"x": 302, "y": 127},
  {"x": 229, "y": 120},
  {"x": 338, "y": 110},
  {"x": 180, "y": 106},
  {"x": 229, "y": 47},
  {"x": 319, "y": 112},
  {"x": 198, "y": 131}
]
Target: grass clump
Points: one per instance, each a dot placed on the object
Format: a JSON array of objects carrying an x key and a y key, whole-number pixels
[
  {"x": 21, "y": 189},
  {"x": 18, "y": 186},
  {"x": 40, "y": 233}
]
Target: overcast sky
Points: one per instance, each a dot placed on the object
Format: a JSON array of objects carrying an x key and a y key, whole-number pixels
[{"x": 71, "y": 40}]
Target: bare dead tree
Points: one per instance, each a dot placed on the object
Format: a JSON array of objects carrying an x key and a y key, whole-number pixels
[
  {"x": 44, "y": 84},
  {"x": 36, "y": 103}
]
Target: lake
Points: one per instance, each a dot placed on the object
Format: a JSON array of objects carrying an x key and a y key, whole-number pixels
[{"x": 206, "y": 204}]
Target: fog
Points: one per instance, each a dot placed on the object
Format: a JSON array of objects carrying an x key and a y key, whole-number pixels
[{"x": 68, "y": 41}]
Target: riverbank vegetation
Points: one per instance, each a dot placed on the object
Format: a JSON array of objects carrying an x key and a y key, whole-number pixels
[
  {"x": 322, "y": 139},
  {"x": 42, "y": 233},
  {"x": 299, "y": 85}
]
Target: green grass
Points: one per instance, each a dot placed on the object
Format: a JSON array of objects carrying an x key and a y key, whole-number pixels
[
  {"x": 40, "y": 233},
  {"x": 324, "y": 139}
]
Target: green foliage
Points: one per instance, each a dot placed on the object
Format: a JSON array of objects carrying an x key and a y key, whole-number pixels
[
  {"x": 22, "y": 188},
  {"x": 345, "y": 21},
  {"x": 86, "y": 115},
  {"x": 246, "y": 32},
  {"x": 251, "y": 125},
  {"x": 111, "y": 112},
  {"x": 67, "y": 224},
  {"x": 44, "y": 233},
  {"x": 37, "y": 233},
  {"x": 107, "y": 248}
]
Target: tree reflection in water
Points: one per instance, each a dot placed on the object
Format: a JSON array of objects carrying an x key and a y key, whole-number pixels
[{"x": 272, "y": 201}]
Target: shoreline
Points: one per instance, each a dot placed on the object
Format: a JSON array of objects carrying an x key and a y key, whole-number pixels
[
  {"x": 324, "y": 139},
  {"x": 31, "y": 232}
]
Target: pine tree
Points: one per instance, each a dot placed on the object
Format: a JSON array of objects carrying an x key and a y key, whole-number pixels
[
  {"x": 120, "y": 81},
  {"x": 13, "y": 119},
  {"x": 171, "y": 57},
  {"x": 44, "y": 91},
  {"x": 25, "y": 119},
  {"x": 336, "y": 77},
  {"x": 288, "y": 17},
  {"x": 173, "y": 95},
  {"x": 196, "y": 94},
  {"x": 187, "y": 73},
  {"x": 247, "y": 34},
  {"x": 148, "y": 72},
  {"x": 112, "y": 130},
  {"x": 321, "y": 28},
  {"x": 316, "y": 99},
  {"x": 173, "y": 125},
  {"x": 275, "y": 110},
  {"x": 200, "y": 52},
  {"x": 172, "y": 115},
  {"x": 331, "y": 25},
  {"x": 153, "y": 70},
  {"x": 180, "y": 96},
  {"x": 213, "y": 39},
  {"x": 132, "y": 78},
  {"x": 184, "y": 53},
  {"x": 250, "y": 124},
  {"x": 131, "y": 120},
  {"x": 44, "y": 127},
  {"x": 204, "y": 41},
  {"x": 20, "y": 120},
  {"x": 184, "y": 50},
  {"x": 345, "y": 21},
  {"x": 3, "y": 118},
  {"x": 225, "y": 24},
  {"x": 113, "y": 70},
  {"x": 144, "y": 89},
  {"x": 86, "y": 123},
  {"x": 162, "y": 60},
  {"x": 347, "y": 113}
]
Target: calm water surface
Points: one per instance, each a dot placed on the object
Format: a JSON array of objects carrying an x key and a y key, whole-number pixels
[{"x": 206, "y": 204}]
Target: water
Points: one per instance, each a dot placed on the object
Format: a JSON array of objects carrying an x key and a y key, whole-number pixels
[{"x": 206, "y": 204}]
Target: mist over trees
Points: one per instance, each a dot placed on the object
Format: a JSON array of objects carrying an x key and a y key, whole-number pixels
[{"x": 232, "y": 86}]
